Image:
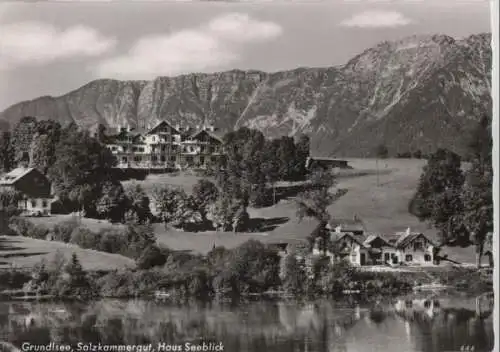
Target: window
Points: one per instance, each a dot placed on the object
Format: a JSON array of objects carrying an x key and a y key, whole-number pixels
[
  {"x": 173, "y": 158},
  {"x": 141, "y": 150},
  {"x": 202, "y": 160},
  {"x": 387, "y": 257},
  {"x": 409, "y": 258},
  {"x": 154, "y": 158},
  {"x": 137, "y": 159},
  {"x": 162, "y": 158},
  {"x": 427, "y": 257},
  {"x": 44, "y": 204},
  {"x": 427, "y": 304},
  {"x": 33, "y": 203},
  {"x": 124, "y": 159}
]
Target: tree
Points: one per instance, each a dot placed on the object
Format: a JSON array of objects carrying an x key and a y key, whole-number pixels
[
  {"x": 381, "y": 151},
  {"x": 112, "y": 204},
  {"x": 478, "y": 207},
  {"x": 294, "y": 275},
  {"x": 478, "y": 188},
  {"x": 286, "y": 154},
  {"x": 21, "y": 138},
  {"x": 243, "y": 161},
  {"x": 438, "y": 199},
  {"x": 138, "y": 203},
  {"x": 227, "y": 213},
  {"x": 9, "y": 199},
  {"x": 205, "y": 193},
  {"x": 480, "y": 145},
  {"x": 150, "y": 257},
  {"x": 314, "y": 203},
  {"x": 6, "y": 152},
  {"x": 172, "y": 204},
  {"x": 271, "y": 165},
  {"x": 81, "y": 166},
  {"x": 256, "y": 267},
  {"x": 43, "y": 145},
  {"x": 302, "y": 152},
  {"x": 74, "y": 282},
  {"x": 139, "y": 237}
]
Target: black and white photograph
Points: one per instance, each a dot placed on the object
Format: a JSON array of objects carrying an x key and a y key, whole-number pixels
[{"x": 248, "y": 176}]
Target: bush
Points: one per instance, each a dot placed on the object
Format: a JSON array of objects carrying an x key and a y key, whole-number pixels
[
  {"x": 62, "y": 232},
  {"x": 112, "y": 241},
  {"x": 85, "y": 238},
  {"x": 26, "y": 228},
  {"x": 20, "y": 225},
  {"x": 150, "y": 257}
]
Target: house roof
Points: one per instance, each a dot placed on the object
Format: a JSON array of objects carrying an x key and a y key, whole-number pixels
[
  {"x": 210, "y": 133},
  {"x": 337, "y": 236},
  {"x": 405, "y": 238},
  {"x": 161, "y": 124},
  {"x": 372, "y": 237},
  {"x": 15, "y": 175},
  {"x": 125, "y": 136}
]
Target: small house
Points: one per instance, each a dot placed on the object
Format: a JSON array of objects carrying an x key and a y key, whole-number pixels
[
  {"x": 413, "y": 248},
  {"x": 34, "y": 189},
  {"x": 361, "y": 248}
]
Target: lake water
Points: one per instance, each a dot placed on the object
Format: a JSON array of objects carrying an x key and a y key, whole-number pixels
[{"x": 408, "y": 324}]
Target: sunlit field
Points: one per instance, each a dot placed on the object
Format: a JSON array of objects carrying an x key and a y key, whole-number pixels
[{"x": 377, "y": 192}]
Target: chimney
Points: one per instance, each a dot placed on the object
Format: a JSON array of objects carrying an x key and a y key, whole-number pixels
[
  {"x": 177, "y": 127},
  {"x": 408, "y": 231},
  {"x": 338, "y": 229}
]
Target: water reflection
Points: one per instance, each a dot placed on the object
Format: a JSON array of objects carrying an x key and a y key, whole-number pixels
[{"x": 405, "y": 324}]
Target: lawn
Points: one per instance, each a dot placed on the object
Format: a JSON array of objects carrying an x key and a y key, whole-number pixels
[
  {"x": 380, "y": 201},
  {"x": 22, "y": 252}
]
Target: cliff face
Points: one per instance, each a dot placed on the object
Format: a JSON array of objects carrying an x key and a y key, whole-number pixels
[{"x": 421, "y": 92}]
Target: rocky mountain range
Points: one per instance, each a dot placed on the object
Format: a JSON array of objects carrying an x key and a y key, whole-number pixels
[{"x": 421, "y": 92}]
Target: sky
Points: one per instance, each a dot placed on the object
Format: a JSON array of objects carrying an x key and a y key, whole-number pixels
[{"x": 51, "y": 48}]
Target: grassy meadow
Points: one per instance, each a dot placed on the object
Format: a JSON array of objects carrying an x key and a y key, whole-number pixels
[
  {"x": 23, "y": 252},
  {"x": 380, "y": 199}
]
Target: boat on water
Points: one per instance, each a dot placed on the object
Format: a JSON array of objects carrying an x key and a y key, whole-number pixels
[
  {"x": 162, "y": 295},
  {"x": 435, "y": 286}
]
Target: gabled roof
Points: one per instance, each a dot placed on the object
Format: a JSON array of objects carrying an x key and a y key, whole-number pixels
[
  {"x": 372, "y": 237},
  {"x": 337, "y": 236},
  {"x": 161, "y": 124},
  {"x": 210, "y": 133},
  {"x": 125, "y": 136},
  {"x": 405, "y": 238},
  {"x": 15, "y": 175}
]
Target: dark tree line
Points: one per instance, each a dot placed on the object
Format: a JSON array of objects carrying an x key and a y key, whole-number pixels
[
  {"x": 254, "y": 164},
  {"x": 76, "y": 163},
  {"x": 458, "y": 203}
]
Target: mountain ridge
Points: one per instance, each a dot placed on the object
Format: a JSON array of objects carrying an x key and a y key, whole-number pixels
[{"x": 402, "y": 93}]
